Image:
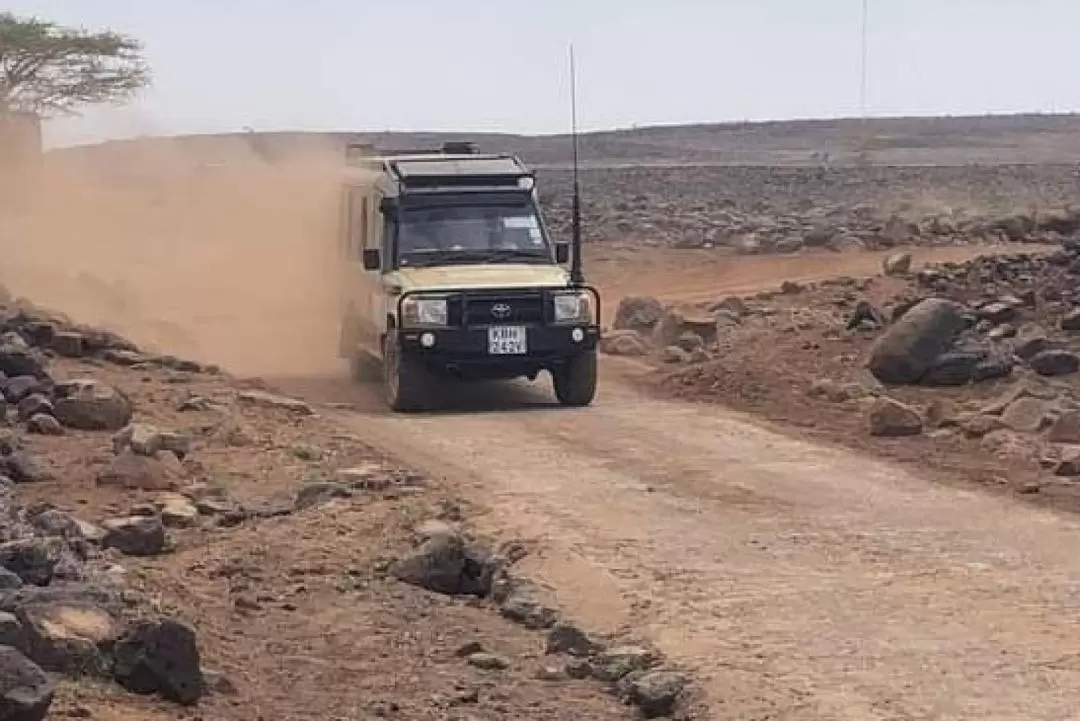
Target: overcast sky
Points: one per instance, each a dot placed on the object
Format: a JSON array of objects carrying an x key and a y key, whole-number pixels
[{"x": 500, "y": 64}]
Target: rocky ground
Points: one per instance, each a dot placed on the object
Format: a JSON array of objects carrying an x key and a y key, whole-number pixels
[
  {"x": 970, "y": 368},
  {"x": 752, "y": 210},
  {"x": 177, "y": 543}
]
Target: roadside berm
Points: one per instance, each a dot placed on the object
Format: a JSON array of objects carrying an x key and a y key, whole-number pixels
[{"x": 972, "y": 368}]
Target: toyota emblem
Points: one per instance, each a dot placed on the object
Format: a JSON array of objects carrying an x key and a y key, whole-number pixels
[{"x": 501, "y": 310}]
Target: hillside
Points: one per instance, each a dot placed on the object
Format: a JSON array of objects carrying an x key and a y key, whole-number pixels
[{"x": 904, "y": 141}]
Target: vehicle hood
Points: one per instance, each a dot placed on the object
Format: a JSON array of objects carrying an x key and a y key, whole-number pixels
[{"x": 465, "y": 277}]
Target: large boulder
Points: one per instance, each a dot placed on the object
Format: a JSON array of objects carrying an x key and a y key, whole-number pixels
[
  {"x": 91, "y": 405},
  {"x": 26, "y": 691},
  {"x": 910, "y": 347}
]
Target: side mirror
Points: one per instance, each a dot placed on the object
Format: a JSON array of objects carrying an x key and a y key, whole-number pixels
[
  {"x": 562, "y": 252},
  {"x": 372, "y": 259},
  {"x": 387, "y": 206}
]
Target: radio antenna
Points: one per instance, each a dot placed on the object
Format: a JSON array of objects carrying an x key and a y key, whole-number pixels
[{"x": 577, "y": 277}]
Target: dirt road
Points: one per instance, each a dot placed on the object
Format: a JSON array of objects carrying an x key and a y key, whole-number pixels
[{"x": 801, "y": 582}]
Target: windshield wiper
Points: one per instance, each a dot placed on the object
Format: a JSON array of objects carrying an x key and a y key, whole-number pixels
[
  {"x": 496, "y": 254},
  {"x": 450, "y": 257}
]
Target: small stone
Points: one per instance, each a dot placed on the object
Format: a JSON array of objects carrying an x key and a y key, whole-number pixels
[
  {"x": 1069, "y": 462},
  {"x": 1025, "y": 415},
  {"x": 90, "y": 405},
  {"x": 488, "y": 661},
  {"x": 315, "y": 494},
  {"x": 889, "y": 418},
  {"x": 17, "y": 388},
  {"x": 656, "y": 693},
  {"x": 567, "y": 638},
  {"x": 9, "y": 581},
  {"x": 68, "y": 344},
  {"x": 997, "y": 312},
  {"x": 940, "y": 413},
  {"x": 522, "y": 606},
  {"x": 129, "y": 470},
  {"x": 307, "y": 452},
  {"x": 897, "y": 264},
  {"x": 67, "y": 637},
  {"x": 1066, "y": 428},
  {"x": 674, "y": 354},
  {"x": 1055, "y": 363},
  {"x": 21, "y": 467},
  {"x": 26, "y": 691},
  {"x": 614, "y": 663},
  {"x": 271, "y": 400},
  {"x": 624, "y": 343},
  {"x": 135, "y": 536},
  {"x": 367, "y": 477},
  {"x": 45, "y": 425},
  {"x": 1071, "y": 320},
  {"x": 550, "y": 673},
  {"x": 33, "y": 560},
  {"x": 17, "y": 359},
  {"x": 468, "y": 649},
  {"x": 11, "y": 631},
  {"x": 578, "y": 668},
  {"x": 214, "y": 506},
  {"x": 177, "y": 511},
  {"x": 54, "y": 522},
  {"x": 160, "y": 657}
]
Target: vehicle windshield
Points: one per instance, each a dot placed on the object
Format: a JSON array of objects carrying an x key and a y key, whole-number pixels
[{"x": 474, "y": 233}]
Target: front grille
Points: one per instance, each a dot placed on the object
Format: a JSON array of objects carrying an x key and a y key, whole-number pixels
[{"x": 524, "y": 308}]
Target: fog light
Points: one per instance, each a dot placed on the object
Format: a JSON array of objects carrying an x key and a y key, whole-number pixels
[
  {"x": 577, "y": 335},
  {"x": 427, "y": 339}
]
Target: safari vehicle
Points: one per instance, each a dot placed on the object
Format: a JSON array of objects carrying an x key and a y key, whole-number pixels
[{"x": 451, "y": 275}]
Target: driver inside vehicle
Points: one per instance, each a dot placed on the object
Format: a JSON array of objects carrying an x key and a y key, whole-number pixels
[{"x": 470, "y": 229}]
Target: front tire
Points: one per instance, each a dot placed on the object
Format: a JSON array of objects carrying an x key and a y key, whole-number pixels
[
  {"x": 575, "y": 381},
  {"x": 406, "y": 382}
]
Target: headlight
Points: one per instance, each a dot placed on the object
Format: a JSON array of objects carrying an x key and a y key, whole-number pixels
[
  {"x": 424, "y": 312},
  {"x": 573, "y": 307}
]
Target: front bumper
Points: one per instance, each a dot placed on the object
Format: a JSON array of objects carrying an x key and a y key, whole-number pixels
[
  {"x": 462, "y": 353},
  {"x": 462, "y": 349}
]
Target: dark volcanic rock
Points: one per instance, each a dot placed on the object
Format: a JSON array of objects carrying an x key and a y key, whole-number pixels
[
  {"x": 1055, "y": 363},
  {"x": 160, "y": 657},
  {"x": 26, "y": 692},
  {"x": 909, "y": 348},
  {"x": 445, "y": 563},
  {"x": 90, "y": 405}
]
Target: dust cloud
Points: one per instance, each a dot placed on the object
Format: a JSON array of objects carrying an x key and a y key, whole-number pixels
[{"x": 217, "y": 255}]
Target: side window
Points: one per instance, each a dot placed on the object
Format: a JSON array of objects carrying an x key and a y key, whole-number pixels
[{"x": 357, "y": 228}]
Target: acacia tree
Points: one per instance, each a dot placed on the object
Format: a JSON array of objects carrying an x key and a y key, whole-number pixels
[{"x": 51, "y": 70}]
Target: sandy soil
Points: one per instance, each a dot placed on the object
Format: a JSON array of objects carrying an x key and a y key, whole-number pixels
[{"x": 800, "y": 580}]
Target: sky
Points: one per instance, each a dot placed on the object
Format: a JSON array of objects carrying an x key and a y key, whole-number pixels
[{"x": 499, "y": 65}]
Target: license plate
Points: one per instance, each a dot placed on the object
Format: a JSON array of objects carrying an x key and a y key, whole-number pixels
[{"x": 507, "y": 340}]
